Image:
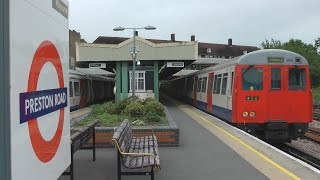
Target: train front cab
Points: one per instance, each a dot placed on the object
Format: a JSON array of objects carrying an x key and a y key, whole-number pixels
[{"x": 273, "y": 101}]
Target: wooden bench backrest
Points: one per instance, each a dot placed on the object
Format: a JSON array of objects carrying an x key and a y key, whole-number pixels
[{"x": 123, "y": 136}]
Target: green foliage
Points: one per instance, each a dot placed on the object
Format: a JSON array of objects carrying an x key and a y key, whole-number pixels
[
  {"x": 134, "y": 109},
  {"x": 147, "y": 100},
  {"x": 152, "y": 117},
  {"x": 272, "y": 44},
  {"x": 316, "y": 94},
  {"x": 110, "y": 108},
  {"x": 120, "y": 106},
  {"x": 155, "y": 107},
  {"x": 308, "y": 51}
]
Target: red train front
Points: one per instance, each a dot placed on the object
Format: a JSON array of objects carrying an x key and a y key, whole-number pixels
[
  {"x": 266, "y": 93},
  {"x": 272, "y": 96}
]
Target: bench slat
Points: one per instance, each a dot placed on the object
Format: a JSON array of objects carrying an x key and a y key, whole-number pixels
[{"x": 133, "y": 163}]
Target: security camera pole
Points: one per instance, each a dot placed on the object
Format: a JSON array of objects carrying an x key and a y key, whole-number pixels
[{"x": 134, "y": 53}]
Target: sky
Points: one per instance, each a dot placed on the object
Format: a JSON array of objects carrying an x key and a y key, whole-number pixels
[{"x": 247, "y": 22}]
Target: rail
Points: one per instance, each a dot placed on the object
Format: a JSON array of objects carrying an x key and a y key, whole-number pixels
[{"x": 313, "y": 134}]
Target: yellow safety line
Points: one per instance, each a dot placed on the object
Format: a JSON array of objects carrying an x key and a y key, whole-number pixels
[{"x": 249, "y": 147}]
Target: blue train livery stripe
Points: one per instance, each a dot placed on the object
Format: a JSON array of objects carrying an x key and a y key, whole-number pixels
[{"x": 216, "y": 110}]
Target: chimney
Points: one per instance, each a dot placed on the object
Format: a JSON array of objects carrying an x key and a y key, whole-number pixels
[
  {"x": 173, "y": 37},
  {"x": 230, "y": 42},
  {"x": 193, "y": 38},
  {"x": 136, "y": 33}
]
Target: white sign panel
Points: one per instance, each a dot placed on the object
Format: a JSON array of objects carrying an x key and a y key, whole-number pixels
[
  {"x": 39, "y": 53},
  {"x": 97, "y": 65},
  {"x": 175, "y": 64}
]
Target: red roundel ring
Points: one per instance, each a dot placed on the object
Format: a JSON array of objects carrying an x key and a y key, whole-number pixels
[{"x": 46, "y": 53}]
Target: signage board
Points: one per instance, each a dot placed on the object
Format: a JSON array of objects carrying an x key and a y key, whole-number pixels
[
  {"x": 39, "y": 109},
  {"x": 97, "y": 65},
  {"x": 175, "y": 64}
]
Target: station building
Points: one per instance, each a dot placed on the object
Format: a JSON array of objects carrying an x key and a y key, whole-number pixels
[{"x": 158, "y": 60}]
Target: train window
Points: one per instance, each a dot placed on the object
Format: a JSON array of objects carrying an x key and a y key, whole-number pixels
[
  {"x": 232, "y": 80},
  {"x": 252, "y": 78},
  {"x": 214, "y": 84},
  {"x": 70, "y": 89},
  {"x": 297, "y": 79},
  {"x": 204, "y": 84},
  {"x": 275, "y": 78},
  {"x": 76, "y": 89},
  {"x": 218, "y": 85},
  {"x": 199, "y": 85},
  {"x": 224, "y": 84}
]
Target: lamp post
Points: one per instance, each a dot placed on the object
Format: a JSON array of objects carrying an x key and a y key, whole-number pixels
[{"x": 134, "y": 52}]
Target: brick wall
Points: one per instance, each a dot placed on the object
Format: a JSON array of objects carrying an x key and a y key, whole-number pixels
[{"x": 167, "y": 136}]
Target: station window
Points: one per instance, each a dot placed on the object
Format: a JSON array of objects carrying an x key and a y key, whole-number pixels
[
  {"x": 224, "y": 84},
  {"x": 297, "y": 79},
  {"x": 70, "y": 89},
  {"x": 140, "y": 84},
  {"x": 76, "y": 89},
  {"x": 204, "y": 84},
  {"x": 252, "y": 78},
  {"x": 275, "y": 78}
]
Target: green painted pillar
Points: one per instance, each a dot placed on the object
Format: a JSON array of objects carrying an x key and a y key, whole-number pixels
[
  {"x": 118, "y": 81},
  {"x": 124, "y": 77},
  {"x": 156, "y": 80}
]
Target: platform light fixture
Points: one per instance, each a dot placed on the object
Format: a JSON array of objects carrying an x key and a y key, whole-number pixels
[{"x": 134, "y": 51}]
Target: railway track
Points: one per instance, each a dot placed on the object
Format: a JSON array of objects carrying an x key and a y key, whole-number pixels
[
  {"x": 313, "y": 134},
  {"x": 313, "y": 161}
]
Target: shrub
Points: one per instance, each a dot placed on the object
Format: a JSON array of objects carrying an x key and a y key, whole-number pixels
[
  {"x": 152, "y": 117},
  {"x": 155, "y": 107},
  {"x": 134, "y": 110},
  {"x": 121, "y": 106},
  {"x": 110, "y": 108},
  {"x": 147, "y": 100}
]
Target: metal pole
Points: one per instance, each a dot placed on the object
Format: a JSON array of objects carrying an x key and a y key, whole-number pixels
[{"x": 134, "y": 64}]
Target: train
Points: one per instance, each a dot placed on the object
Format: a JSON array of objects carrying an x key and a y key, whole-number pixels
[
  {"x": 266, "y": 93},
  {"x": 86, "y": 89}
]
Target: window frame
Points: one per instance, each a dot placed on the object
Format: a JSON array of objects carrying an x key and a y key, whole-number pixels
[
  {"x": 76, "y": 92},
  {"x": 272, "y": 88},
  {"x": 305, "y": 80},
  {"x": 243, "y": 69},
  {"x": 71, "y": 93},
  {"x": 224, "y": 80},
  {"x": 137, "y": 78}
]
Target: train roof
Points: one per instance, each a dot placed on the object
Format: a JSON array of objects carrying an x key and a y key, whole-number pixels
[
  {"x": 264, "y": 56},
  {"x": 82, "y": 75},
  {"x": 272, "y": 56}
]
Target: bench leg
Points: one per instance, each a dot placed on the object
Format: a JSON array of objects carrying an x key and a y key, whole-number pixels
[
  {"x": 119, "y": 165},
  {"x": 152, "y": 174},
  {"x": 94, "y": 145},
  {"x": 71, "y": 165}
]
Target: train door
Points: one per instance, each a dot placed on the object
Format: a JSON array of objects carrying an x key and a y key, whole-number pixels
[
  {"x": 276, "y": 96},
  {"x": 209, "y": 92},
  {"x": 71, "y": 95},
  {"x": 230, "y": 89},
  {"x": 195, "y": 87},
  {"x": 76, "y": 97}
]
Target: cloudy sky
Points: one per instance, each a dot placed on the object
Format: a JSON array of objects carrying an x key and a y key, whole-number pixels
[{"x": 247, "y": 22}]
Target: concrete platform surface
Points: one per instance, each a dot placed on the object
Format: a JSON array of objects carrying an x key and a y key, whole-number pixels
[
  {"x": 79, "y": 115},
  {"x": 201, "y": 155}
]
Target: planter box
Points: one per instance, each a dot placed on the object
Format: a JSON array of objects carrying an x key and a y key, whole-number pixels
[{"x": 168, "y": 136}]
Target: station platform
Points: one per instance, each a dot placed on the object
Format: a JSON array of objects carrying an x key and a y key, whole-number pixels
[
  {"x": 79, "y": 115},
  {"x": 209, "y": 149}
]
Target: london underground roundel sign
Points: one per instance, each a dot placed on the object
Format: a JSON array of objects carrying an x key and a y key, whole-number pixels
[{"x": 34, "y": 104}]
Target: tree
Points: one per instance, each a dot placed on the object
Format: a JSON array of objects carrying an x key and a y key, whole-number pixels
[
  {"x": 273, "y": 44},
  {"x": 308, "y": 51}
]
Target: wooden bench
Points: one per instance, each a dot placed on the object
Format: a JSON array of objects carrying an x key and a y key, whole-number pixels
[{"x": 135, "y": 152}]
